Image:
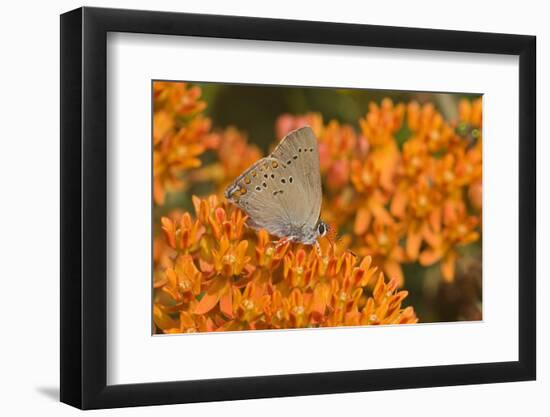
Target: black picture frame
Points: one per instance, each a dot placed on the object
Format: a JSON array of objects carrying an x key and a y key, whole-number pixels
[{"x": 84, "y": 207}]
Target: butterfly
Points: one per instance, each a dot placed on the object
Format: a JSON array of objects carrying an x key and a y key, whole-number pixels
[{"x": 282, "y": 192}]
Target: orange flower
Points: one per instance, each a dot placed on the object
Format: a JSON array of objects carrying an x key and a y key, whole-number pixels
[
  {"x": 269, "y": 255},
  {"x": 383, "y": 245},
  {"x": 429, "y": 126},
  {"x": 347, "y": 295},
  {"x": 468, "y": 166},
  {"x": 184, "y": 236},
  {"x": 248, "y": 309},
  {"x": 162, "y": 319},
  {"x": 337, "y": 144},
  {"x": 298, "y": 270},
  {"x": 235, "y": 154},
  {"x": 459, "y": 229},
  {"x": 229, "y": 262},
  {"x": 382, "y": 122},
  {"x": 184, "y": 280},
  {"x": 423, "y": 212},
  {"x": 366, "y": 181},
  {"x": 189, "y": 323},
  {"x": 364, "y": 176},
  {"x": 230, "y": 258},
  {"x": 471, "y": 112},
  {"x": 417, "y": 159},
  {"x": 176, "y": 96},
  {"x": 379, "y": 127},
  {"x": 385, "y": 306}
]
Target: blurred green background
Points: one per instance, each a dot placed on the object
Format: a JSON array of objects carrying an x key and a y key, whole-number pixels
[{"x": 255, "y": 108}]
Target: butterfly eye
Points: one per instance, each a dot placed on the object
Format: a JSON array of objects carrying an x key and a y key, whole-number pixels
[{"x": 321, "y": 229}]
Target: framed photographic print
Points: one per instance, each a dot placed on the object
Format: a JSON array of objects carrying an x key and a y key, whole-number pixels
[{"x": 257, "y": 208}]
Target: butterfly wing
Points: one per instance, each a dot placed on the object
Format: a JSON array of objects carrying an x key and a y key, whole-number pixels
[
  {"x": 299, "y": 155},
  {"x": 255, "y": 192},
  {"x": 282, "y": 192}
]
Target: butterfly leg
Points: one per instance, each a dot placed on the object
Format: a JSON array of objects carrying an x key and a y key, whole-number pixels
[
  {"x": 282, "y": 241},
  {"x": 318, "y": 249}
]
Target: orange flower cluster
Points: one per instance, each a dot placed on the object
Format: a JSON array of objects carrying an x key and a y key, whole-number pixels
[
  {"x": 181, "y": 135},
  {"x": 215, "y": 274},
  {"x": 233, "y": 155},
  {"x": 417, "y": 199}
]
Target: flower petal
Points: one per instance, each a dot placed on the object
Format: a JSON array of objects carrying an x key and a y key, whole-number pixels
[
  {"x": 226, "y": 303},
  {"x": 448, "y": 266},
  {"x": 207, "y": 303}
]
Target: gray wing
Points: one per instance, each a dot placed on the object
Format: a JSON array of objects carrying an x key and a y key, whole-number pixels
[
  {"x": 256, "y": 192},
  {"x": 299, "y": 155},
  {"x": 282, "y": 192}
]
